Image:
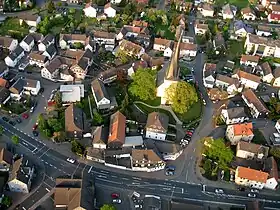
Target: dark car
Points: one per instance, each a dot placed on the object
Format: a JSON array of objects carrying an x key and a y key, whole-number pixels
[
  {"x": 12, "y": 123},
  {"x": 169, "y": 170},
  {"x": 18, "y": 120},
  {"x": 115, "y": 195},
  {"x": 5, "y": 119},
  {"x": 35, "y": 133},
  {"x": 42, "y": 90}
]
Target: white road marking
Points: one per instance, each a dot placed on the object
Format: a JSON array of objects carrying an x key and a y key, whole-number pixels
[
  {"x": 47, "y": 189},
  {"x": 89, "y": 169},
  {"x": 101, "y": 176}
]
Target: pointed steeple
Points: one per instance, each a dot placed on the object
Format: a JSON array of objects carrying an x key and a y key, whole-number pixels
[{"x": 172, "y": 72}]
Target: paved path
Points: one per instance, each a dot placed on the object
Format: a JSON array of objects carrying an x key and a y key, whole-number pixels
[{"x": 45, "y": 197}]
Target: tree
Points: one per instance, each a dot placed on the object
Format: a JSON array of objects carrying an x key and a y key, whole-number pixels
[
  {"x": 97, "y": 118},
  {"x": 77, "y": 147},
  {"x": 58, "y": 99},
  {"x": 124, "y": 58},
  {"x": 15, "y": 139},
  {"x": 1, "y": 130},
  {"x": 207, "y": 167},
  {"x": 55, "y": 124},
  {"x": 42, "y": 123},
  {"x": 216, "y": 150},
  {"x": 50, "y": 6},
  {"x": 275, "y": 152},
  {"x": 108, "y": 207},
  {"x": 144, "y": 84},
  {"x": 182, "y": 96},
  {"x": 6, "y": 201},
  {"x": 59, "y": 136}
]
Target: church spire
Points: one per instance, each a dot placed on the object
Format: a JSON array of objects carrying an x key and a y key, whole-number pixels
[{"x": 173, "y": 69}]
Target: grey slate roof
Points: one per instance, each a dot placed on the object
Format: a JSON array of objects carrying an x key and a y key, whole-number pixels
[
  {"x": 4, "y": 94},
  {"x": 18, "y": 85},
  {"x": 28, "y": 39},
  {"x": 51, "y": 50},
  {"x": 13, "y": 55},
  {"x": 99, "y": 90},
  {"x": 236, "y": 112},
  {"x": 47, "y": 39},
  {"x": 158, "y": 121}
]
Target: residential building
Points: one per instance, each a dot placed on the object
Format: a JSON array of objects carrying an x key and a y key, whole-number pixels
[
  {"x": 231, "y": 85},
  {"x": 209, "y": 71},
  {"x": 4, "y": 95},
  {"x": 238, "y": 132},
  {"x": 156, "y": 127},
  {"x": 27, "y": 43},
  {"x": 248, "y": 80},
  {"x": 72, "y": 93},
  {"x": 100, "y": 137},
  {"x": 66, "y": 41},
  {"x": 74, "y": 122},
  {"x": 101, "y": 96},
  {"x": 128, "y": 31},
  {"x": 266, "y": 72},
  {"x": 228, "y": 11},
  {"x": 248, "y": 14},
  {"x": 276, "y": 74},
  {"x": 51, "y": 70},
  {"x": 219, "y": 43},
  {"x": 68, "y": 194},
  {"x": 6, "y": 160},
  {"x": 256, "y": 106},
  {"x": 32, "y": 20},
  {"x": 4, "y": 69},
  {"x": 46, "y": 42},
  {"x": 206, "y": 9},
  {"x": 200, "y": 29},
  {"x": 17, "y": 89},
  {"x": 164, "y": 45},
  {"x": 267, "y": 3},
  {"x": 250, "y": 177},
  {"x": 131, "y": 48},
  {"x": 153, "y": 62},
  {"x": 90, "y": 10},
  {"x": 50, "y": 52},
  {"x": 241, "y": 29},
  {"x": 167, "y": 150},
  {"x": 270, "y": 166},
  {"x": 117, "y": 130},
  {"x": 13, "y": 58},
  {"x": 94, "y": 154},
  {"x": 31, "y": 87},
  {"x": 216, "y": 94},
  {"x": 249, "y": 60},
  {"x": 108, "y": 76},
  {"x": 105, "y": 38},
  {"x": 264, "y": 31},
  {"x": 135, "y": 66},
  {"x": 234, "y": 115},
  {"x": 187, "y": 49},
  {"x": 38, "y": 59},
  {"x": 8, "y": 43},
  {"x": 110, "y": 10},
  {"x": 248, "y": 150},
  {"x": 274, "y": 15},
  {"x": 146, "y": 160}
]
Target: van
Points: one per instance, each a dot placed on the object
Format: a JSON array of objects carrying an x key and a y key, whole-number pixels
[{"x": 136, "y": 194}]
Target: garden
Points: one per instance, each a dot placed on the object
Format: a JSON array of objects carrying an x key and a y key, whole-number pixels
[{"x": 11, "y": 27}]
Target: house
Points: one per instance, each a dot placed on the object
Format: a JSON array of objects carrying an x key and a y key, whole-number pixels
[
  {"x": 167, "y": 150},
  {"x": 135, "y": 66},
  {"x": 263, "y": 31},
  {"x": 74, "y": 122},
  {"x": 234, "y": 115},
  {"x": 274, "y": 15},
  {"x": 17, "y": 89},
  {"x": 128, "y": 31},
  {"x": 156, "y": 127},
  {"x": 241, "y": 29},
  {"x": 219, "y": 43},
  {"x": 133, "y": 141},
  {"x": 50, "y": 52},
  {"x": 4, "y": 95},
  {"x": 153, "y": 62},
  {"x": 46, "y": 42},
  {"x": 249, "y": 60},
  {"x": 100, "y": 137},
  {"x": 101, "y": 96},
  {"x": 108, "y": 76},
  {"x": 248, "y": 80},
  {"x": 187, "y": 49},
  {"x": 32, "y": 87},
  {"x": 209, "y": 71},
  {"x": 72, "y": 93},
  {"x": 90, "y": 44},
  {"x": 256, "y": 106},
  {"x": 115, "y": 1},
  {"x": 231, "y": 85},
  {"x": 27, "y": 43},
  {"x": 105, "y": 38},
  {"x": 117, "y": 130},
  {"x": 131, "y": 48},
  {"x": 140, "y": 23},
  {"x": 250, "y": 177},
  {"x": 228, "y": 11},
  {"x": 81, "y": 65},
  {"x": 51, "y": 70},
  {"x": 146, "y": 160},
  {"x": 267, "y": 3},
  {"x": 66, "y": 41},
  {"x": 237, "y": 132},
  {"x": 248, "y": 150},
  {"x": 90, "y": 10},
  {"x": 248, "y": 14},
  {"x": 68, "y": 194},
  {"x": 8, "y": 43},
  {"x": 229, "y": 65},
  {"x": 110, "y": 10},
  {"x": 164, "y": 45},
  {"x": 216, "y": 94},
  {"x": 13, "y": 58},
  {"x": 32, "y": 20},
  {"x": 200, "y": 29},
  {"x": 6, "y": 160},
  {"x": 38, "y": 59},
  {"x": 266, "y": 70},
  {"x": 270, "y": 166},
  {"x": 206, "y": 9},
  {"x": 4, "y": 69},
  {"x": 276, "y": 74},
  {"x": 94, "y": 154}
]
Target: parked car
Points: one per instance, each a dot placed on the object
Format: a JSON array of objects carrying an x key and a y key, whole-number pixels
[
  {"x": 170, "y": 170},
  {"x": 41, "y": 90},
  {"x": 204, "y": 102},
  {"x": 35, "y": 133},
  {"x": 12, "y": 123},
  {"x": 5, "y": 119},
  {"x": 25, "y": 116},
  {"x": 254, "y": 191},
  {"x": 35, "y": 126},
  {"x": 70, "y": 160},
  {"x": 18, "y": 120},
  {"x": 115, "y": 195},
  {"x": 219, "y": 191},
  {"x": 22, "y": 66},
  {"x": 116, "y": 201},
  {"x": 252, "y": 195}
]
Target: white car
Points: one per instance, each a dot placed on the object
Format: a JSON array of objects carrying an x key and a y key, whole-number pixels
[
  {"x": 70, "y": 160},
  {"x": 251, "y": 195},
  {"x": 117, "y": 201},
  {"x": 219, "y": 191},
  {"x": 254, "y": 191},
  {"x": 204, "y": 102},
  {"x": 273, "y": 95},
  {"x": 138, "y": 206}
]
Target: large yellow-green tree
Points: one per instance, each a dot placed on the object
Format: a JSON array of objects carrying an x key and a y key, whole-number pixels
[{"x": 182, "y": 96}]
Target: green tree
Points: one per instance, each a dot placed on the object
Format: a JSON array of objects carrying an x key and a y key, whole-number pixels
[
  {"x": 216, "y": 150},
  {"x": 48, "y": 132},
  {"x": 1, "y": 130},
  {"x": 124, "y": 58},
  {"x": 55, "y": 124},
  {"x": 15, "y": 139},
  {"x": 108, "y": 207},
  {"x": 72, "y": 11},
  {"x": 144, "y": 84},
  {"x": 275, "y": 152},
  {"x": 59, "y": 4},
  {"x": 207, "y": 167},
  {"x": 42, "y": 123},
  {"x": 77, "y": 147},
  {"x": 50, "y": 6},
  {"x": 58, "y": 99},
  {"x": 59, "y": 136},
  {"x": 97, "y": 118},
  {"x": 6, "y": 201},
  {"x": 181, "y": 96}
]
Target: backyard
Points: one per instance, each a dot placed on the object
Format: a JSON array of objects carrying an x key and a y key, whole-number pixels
[
  {"x": 238, "y": 3},
  {"x": 235, "y": 49},
  {"x": 12, "y": 28}
]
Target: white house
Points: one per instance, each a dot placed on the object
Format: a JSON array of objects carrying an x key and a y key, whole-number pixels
[
  {"x": 164, "y": 45},
  {"x": 274, "y": 15},
  {"x": 131, "y": 48},
  {"x": 248, "y": 14},
  {"x": 8, "y": 43},
  {"x": 12, "y": 59},
  {"x": 241, "y": 29},
  {"x": 266, "y": 72},
  {"x": 37, "y": 59},
  {"x": 30, "y": 19},
  {"x": 206, "y": 9},
  {"x": 90, "y": 10},
  {"x": 105, "y": 38},
  {"x": 248, "y": 80},
  {"x": 231, "y": 85},
  {"x": 168, "y": 150},
  {"x": 72, "y": 93},
  {"x": 248, "y": 150},
  {"x": 66, "y": 40},
  {"x": 276, "y": 74},
  {"x": 200, "y": 29},
  {"x": 46, "y": 42},
  {"x": 27, "y": 43},
  {"x": 100, "y": 137},
  {"x": 237, "y": 132},
  {"x": 188, "y": 49},
  {"x": 32, "y": 87},
  {"x": 270, "y": 166},
  {"x": 17, "y": 89},
  {"x": 156, "y": 126},
  {"x": 209, "y": 71},
  {"x": 100, "y": 94},
  {"x": 228, "y": 11},
  {"x": 50, "y": 52},
  {"x": 234, "y": 115},
  {"x": 51, "y": 70},
  {"x": 110, "y": 10},
  {"x": 249, "y": 60},
  {"x": 263, "y": 31},
  {"x": 250, "y": 177},
  {"x": 115, "y": 1}
]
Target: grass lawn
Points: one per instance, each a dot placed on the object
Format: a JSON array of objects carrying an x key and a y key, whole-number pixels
[
  {"x": 193, "y": 113},
  {"x": 12, "y": 27},
  {"x": 238, "y": 3},
  {"x": 235, "y": 49},
  {"x": 56, "y": 29},
  {"x": 155, "y": 102},
  {"x": 258, "y": 137},
  {"x": 167, "y": 33}
]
